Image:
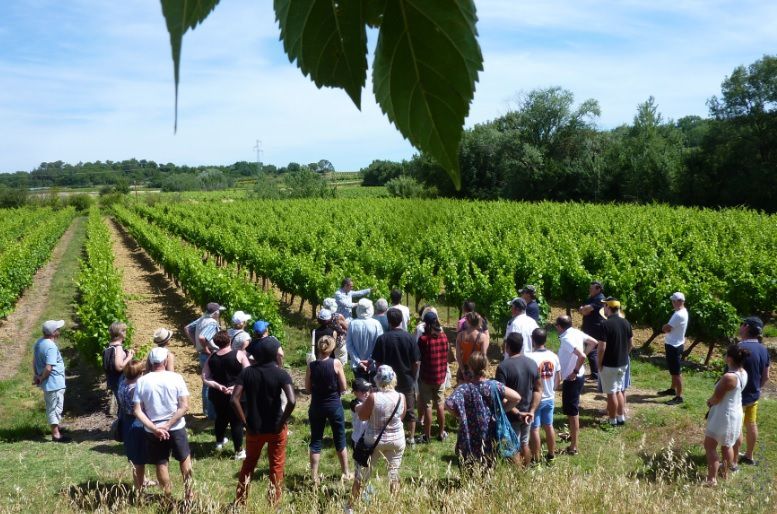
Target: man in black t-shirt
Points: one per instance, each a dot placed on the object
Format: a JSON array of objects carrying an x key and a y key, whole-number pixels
[
  {"x": 614, "y": 359},
  {"x": 520, "y": 373},
  {"x": 398, "y": 349},
  {"x": 593, "y": 323},
  {"x": 265, "y": 421}
]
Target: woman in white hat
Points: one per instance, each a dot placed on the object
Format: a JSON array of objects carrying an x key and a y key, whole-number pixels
[{"x": 162, "y": 338}]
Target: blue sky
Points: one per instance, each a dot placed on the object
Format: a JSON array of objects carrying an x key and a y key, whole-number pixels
[{"x": 82, "y": 80}]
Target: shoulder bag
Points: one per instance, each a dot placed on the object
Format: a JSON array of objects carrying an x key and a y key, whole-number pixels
[{"x": 362, "y": 452}]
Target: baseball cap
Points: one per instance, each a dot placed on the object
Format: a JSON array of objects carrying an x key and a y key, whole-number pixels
[
  {"x": 213, "y": 307},
  {"x": 51, "y": 326},
  {"x": 612, "y": 302},
  {"x": 162, "y": 335},
  {"x": 528, "y": 289},
  {"x": 430, "y": 317},
  {"x": 157, "y": 355},
  {"x": 518, "y": 303},
  {"x": 240, "y": 317},
  {"x": 324, "y": 314},
  {"x": 754, "y": 322},
  {"x": 260, "y": 326},
  {"x": 677, "y": 296}
]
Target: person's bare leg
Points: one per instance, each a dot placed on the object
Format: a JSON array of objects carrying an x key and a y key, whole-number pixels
[
  {"x": 342, "y": 456},
  {"x": 314, "y": 460},
  {"x": 355, "y": 490},
  {"x": 526, "y": 452},
  {"x": 727, "y": 456},
  {"x": 163, "y": 475},
  {"x": 411, "y": 429},
  {"x": 428, "y": 422},
  {"x": 441, "y": 417},
  {"x": 138, "y": 476},
  {"x": 612, "y": 406},
  {"x": 574, "y": 428},
  {"x": 535, "y": 443},
  {"x": 620, "y": 398},
  {"x": 751, "y": 434},
  {"x": 711, "y": 449},
  {"x": 550, "y": 439},
  {"x": 677, "y": 384},
  {"x": 188, "y": 482}
]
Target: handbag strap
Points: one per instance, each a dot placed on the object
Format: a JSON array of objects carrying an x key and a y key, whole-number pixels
[{"x": 396, "y": 408}]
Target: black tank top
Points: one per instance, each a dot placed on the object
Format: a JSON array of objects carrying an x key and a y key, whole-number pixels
[
  {"x": 323, "y": 382},
  {"x": 225, "y": 369}
]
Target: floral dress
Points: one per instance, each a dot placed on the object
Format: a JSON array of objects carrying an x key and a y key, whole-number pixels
[{"x": 472, "y": 405}]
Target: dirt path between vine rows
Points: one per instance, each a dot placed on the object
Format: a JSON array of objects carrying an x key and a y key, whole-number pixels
[
  {"x": 19, "y": 327},
  {"x": 154, "y": 302}
]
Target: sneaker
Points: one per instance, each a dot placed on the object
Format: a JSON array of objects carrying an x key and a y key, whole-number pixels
[
  {"x": 549, "y": 457},
  {"x": 422, "y": 439},
  {"x": 61, "y": 439},
  {"x": 410, "y": 441},
  {"x": 746, "y": 460},
  {"x": 620, "y": 423},
  {"x": 220, "y": 446},
  {"x": 571, "y": 451},
  {"x": 593, "y": 378},
  {"x": 443, "y": 436},
  {"x": 677, "y": 400},
  {"x": 667, "y": 392},
  {"x": 241, "y": 455}
]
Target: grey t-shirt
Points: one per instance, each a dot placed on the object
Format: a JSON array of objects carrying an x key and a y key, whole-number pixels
[{"x": 520, "y": 374}]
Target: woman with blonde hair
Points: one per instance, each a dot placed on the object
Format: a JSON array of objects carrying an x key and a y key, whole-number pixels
[
  {"x": 325, "y": 380},
  {"x": 473, "y": 405}
]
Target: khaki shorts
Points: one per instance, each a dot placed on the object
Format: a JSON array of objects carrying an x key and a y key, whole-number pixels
[
  {"x": 612, "y": 379},
  {"x": 431, "y": 395}
]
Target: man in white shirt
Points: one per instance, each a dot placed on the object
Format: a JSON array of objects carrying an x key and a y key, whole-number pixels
[
  {"x": 574, "y": 346},
  {"x": 161, "y": 401},
  {"x": 396, "y": 298},
  {"x": 521, "y": 323},
  {"x": 549, "y": 370},
  {"x": 344, "y": 298},
  {"x": 674, "y": 340}
]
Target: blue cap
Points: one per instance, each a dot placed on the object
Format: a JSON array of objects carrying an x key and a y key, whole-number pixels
[{"x": 260, "y": 326}]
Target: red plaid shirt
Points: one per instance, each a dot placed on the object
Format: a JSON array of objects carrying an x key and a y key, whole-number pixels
[{"x": 434, "y": 358}]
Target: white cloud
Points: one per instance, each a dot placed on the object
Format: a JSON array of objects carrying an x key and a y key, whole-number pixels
[{"x": 87, "y": 79}]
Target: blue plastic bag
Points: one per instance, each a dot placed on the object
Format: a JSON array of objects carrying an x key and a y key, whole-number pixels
[{"x": 507, "y": 441}]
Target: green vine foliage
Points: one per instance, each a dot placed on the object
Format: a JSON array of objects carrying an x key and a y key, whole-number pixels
[
  {"x": 101, "y": 300},
  {"x": 426, "y": 63},
  {"x": 27, "y": 239},
  {"x": 450, "y": 251},
  {"x": 201, "y": 279}
]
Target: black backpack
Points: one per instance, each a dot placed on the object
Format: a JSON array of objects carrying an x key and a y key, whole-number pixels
[{"x": 109, "y": 356}]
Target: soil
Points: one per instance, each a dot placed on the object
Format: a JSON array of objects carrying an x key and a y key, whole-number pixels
[
  {"x": 155, "y": 302},
  {"x": 15, "y": 330}
]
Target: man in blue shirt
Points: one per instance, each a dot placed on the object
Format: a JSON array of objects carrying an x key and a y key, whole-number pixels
[
  {"x": 757, "y": 367},
  {"x": 344, "y": 298},
  {"x": 48, "y": 370}
]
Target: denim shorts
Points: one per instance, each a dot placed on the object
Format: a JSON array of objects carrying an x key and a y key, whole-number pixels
[{"x": 544, "y": 414}]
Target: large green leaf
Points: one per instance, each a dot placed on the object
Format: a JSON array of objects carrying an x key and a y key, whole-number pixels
[
  {"x": 180, "y": 16},
  {"x": 426, "y": 64},
  {"x": 328, "y": 39}
]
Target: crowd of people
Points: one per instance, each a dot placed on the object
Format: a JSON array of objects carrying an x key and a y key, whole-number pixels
[{"x": 399, "y": 378}]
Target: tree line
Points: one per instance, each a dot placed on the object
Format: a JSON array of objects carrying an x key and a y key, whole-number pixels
[
  {"x": 121, "y": 175},
  {"x": 549, "y": 148}
]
